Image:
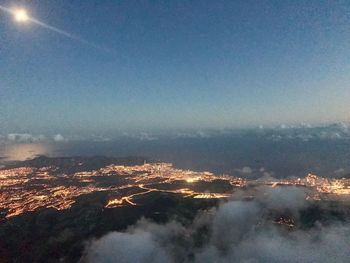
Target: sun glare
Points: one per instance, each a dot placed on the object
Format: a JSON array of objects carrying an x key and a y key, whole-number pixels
[{"x": 21, "y": 15}]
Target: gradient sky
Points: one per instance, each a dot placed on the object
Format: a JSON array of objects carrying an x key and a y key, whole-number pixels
[{"x": 174, "y": 64}]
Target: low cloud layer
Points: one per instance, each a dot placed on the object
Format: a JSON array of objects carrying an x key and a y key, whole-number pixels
[
  {"x": 236, "y": 231},
  {"x": 25, "y": 137},
  {"x": 30, "y": 138},
  {"x": 59, "y": 138}
]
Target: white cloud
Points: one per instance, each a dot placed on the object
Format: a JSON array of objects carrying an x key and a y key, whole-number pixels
[
  {"x": 245, "y": 171},
  {"x": 58, "y": 138},
  {"x": 237, "y": 231},
  {"x": 25, "y": 137},
  {"x": 30, "y": 138},
  {"x": 127, "y": 247}
]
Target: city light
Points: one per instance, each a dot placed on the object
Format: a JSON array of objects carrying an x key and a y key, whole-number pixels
[{"x": 28, "y": 189}]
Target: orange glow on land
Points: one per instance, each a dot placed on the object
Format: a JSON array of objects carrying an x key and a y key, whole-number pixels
[
  {"x": 23, "y": 151},
  {"x": 119, "y": 202},
  {"x": 191, "y": 180},
  {"x": 25, "y": 189},
  {"x": 211, "y": 196}
]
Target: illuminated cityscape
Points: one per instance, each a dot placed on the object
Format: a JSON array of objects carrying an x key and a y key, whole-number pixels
[{"x": 28, "y": 189}]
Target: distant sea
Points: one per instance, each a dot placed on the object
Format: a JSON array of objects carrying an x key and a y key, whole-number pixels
[{"x": 246, "y": 156}]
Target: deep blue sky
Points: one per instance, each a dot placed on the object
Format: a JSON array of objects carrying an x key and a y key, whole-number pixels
[{"x": 174, "y": 64}]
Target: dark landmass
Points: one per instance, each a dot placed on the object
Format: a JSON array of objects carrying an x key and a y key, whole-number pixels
[{"x": 50, "y": 235}]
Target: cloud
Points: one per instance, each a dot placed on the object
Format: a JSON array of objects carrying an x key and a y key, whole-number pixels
[
  {"x": 245, "y": 171},
  {"x": 340, "y": 172},
  {"x": 25, "y": 137},
  {"x": 144, "y": 136},
  {"x": 127, "y": 247},
  {"x": 327, "y": 244},
  {"x": 144, "y": 242},
  {"x": 58, "y": 138},
  {"x": 30, "y": 138},
  {"x": 231, "y": 222},
  {"x": 280, "y": 198},
  {"x": 235, "y": 231}
]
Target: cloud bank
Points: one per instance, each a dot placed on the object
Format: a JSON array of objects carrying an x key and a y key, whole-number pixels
[
  {"x": 30, "y": 138},
  {"x": 235, "y": 231}
]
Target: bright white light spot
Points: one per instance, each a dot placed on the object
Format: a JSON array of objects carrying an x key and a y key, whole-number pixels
[
  {"x": 21, "y": 15},
  {"x": 191, "y": 180}
]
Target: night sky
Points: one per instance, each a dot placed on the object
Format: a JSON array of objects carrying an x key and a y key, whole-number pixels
[{"x": 136, "y": 65}]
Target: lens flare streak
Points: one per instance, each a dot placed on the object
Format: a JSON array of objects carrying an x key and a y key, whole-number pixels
[{"x": 21, "y": 16}]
